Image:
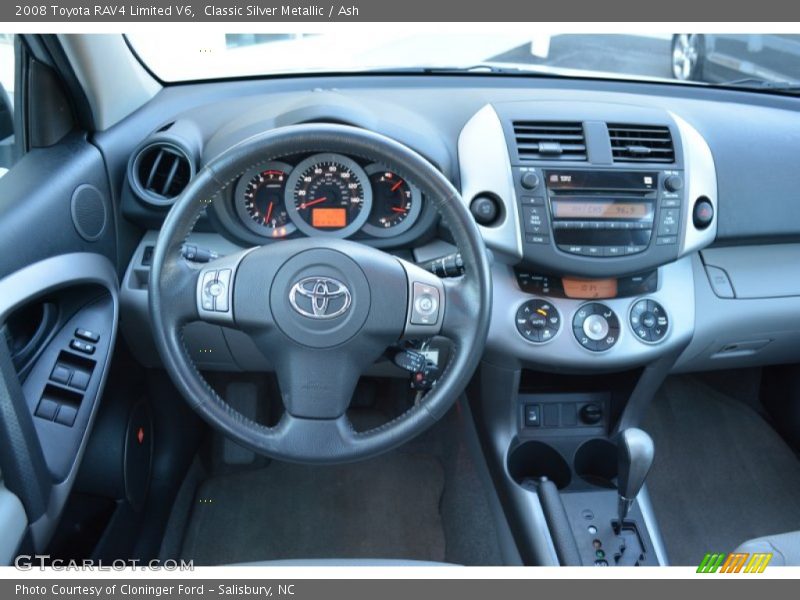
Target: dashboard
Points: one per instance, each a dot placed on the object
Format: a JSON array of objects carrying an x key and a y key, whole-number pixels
[{"x": 613, "y": 212}]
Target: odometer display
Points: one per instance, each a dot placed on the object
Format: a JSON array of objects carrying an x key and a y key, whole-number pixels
[
  {"x": 328, "y": 194},
  {"x": 328, "y": 217}
]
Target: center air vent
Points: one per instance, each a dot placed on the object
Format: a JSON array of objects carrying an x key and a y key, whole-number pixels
[
  {"x": 160, "y": 172},
  {"x": 550, "y": 140},
  {"x": 641, "y": 143}
]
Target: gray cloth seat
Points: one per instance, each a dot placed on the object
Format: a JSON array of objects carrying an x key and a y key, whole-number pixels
[
  {"x": 343, "y": 562},
  {"x": 785, "y": 548}
]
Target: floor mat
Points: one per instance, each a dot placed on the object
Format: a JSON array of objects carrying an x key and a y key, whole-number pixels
[
  {"x": 721, "y": 474},
  {"x": 383, "y": 508}
]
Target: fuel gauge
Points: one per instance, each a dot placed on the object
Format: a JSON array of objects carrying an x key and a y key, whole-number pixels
[{"x": 396, "y": 203}]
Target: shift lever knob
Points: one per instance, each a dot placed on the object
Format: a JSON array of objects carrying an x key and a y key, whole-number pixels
[{"x": 634, "y": 457}]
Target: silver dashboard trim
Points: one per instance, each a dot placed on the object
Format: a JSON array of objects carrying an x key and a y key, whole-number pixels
[
  {"x": 651, "y": 524},
  {"x": 700, "y": 175},
  {"x": 485, "y": 167}
]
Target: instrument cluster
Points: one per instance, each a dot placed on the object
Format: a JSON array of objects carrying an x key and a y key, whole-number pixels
[{"x": 326, "y": 195}]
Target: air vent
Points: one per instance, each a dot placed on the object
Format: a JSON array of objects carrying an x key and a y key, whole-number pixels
[
  {"x": 641, "y": 143},
  {"x": 160, "y": 172},
  {"x": 550, "y": 140}
]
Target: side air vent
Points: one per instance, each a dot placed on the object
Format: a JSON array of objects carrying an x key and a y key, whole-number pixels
[
  {"x": 160, "y": 171},
  {"x": 641, "y": 143},
  {"x": 550, "y": 140}
]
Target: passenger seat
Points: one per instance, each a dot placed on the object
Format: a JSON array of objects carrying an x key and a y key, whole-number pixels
[{"x": 785, "y": 548}]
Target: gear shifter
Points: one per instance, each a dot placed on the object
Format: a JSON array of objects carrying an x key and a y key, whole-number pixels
[{"x": 634, "y": 457}]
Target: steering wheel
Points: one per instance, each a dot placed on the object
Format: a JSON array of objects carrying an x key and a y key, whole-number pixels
[{"x": 322, "y": 310}]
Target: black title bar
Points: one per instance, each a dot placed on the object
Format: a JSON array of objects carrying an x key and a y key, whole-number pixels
[{"x": 400, "y": 10}]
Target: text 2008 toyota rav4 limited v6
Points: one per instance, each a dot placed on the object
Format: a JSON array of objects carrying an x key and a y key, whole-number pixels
[{"x": 497, "y": 316}]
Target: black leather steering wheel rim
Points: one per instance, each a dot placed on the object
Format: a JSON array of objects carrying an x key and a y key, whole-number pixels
[{"x": 172, "y": 302}]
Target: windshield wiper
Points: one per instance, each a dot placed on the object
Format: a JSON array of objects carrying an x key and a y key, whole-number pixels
[{"x": 762, "y": 84}]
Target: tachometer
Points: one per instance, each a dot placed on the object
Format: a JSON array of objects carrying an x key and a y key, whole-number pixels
[
  {"x": 396, "y": 203},
  {"x": 259, "y": 198},
  {"x": 328, "y": 194}
]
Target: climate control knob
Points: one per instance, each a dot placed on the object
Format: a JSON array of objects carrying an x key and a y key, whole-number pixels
[
  {"x": 538, "y": 321},
  {"x": 596, "y": 327},
  {"x": 649, "y": 321}
]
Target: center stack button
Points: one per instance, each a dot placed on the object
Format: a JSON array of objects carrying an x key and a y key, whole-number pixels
[
  {"x": 596, "y": 327},
  {"x": 538, "y": 321}
]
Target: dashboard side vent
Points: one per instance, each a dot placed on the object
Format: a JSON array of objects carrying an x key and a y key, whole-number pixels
[
  {"x": 550, "y": 140},
  {"x": 641, "y": 143},
  {"x": 160, "y": 172}
]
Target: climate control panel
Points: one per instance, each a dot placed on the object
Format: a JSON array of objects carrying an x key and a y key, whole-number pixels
[{"x": 595, "y": 325}]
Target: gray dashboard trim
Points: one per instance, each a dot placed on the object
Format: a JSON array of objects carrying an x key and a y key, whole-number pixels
[
  {"x": 734, "y": 333},
  {"x": 485, "y": 167},
  {"x": 745, "y": 266}
]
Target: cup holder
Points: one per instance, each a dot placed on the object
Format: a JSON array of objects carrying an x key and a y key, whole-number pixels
[
  {"x": 596, "y": 463},
  {"x": 534, "y": 460}
]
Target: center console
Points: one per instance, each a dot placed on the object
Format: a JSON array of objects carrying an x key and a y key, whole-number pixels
[{"x": 593, "y": 212}]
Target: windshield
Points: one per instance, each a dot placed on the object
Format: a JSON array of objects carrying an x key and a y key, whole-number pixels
[{"x": 750, "y": 60}]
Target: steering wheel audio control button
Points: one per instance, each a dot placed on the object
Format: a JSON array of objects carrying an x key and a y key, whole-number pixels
[
  {"x": 538, "y": 321},
  {"x": 425, "y": 304},
  {"x": 207, "y": 298},
  {"x": 596, "y": 327},
  {"x": 223, "y": 287},
  {"x": 214, "y": 294}
]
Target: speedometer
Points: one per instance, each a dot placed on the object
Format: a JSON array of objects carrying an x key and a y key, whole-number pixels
[{"x": 328, "y": 194}]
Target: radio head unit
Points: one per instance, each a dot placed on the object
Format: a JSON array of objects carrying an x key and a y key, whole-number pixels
[
  {"x": 602, "y": 213},
  {"x": 599, "y": 214}
]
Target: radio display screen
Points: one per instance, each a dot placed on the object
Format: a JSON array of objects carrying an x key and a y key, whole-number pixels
[{"x": 572, "y": 209}]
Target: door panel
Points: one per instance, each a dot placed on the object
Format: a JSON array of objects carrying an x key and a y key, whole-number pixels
[
  {"x": 49, "y": 199},
  {"x": 58, "y": 319}
]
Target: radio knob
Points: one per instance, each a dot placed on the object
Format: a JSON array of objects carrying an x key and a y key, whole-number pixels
[
  {"x": 484, "y": 209},
  {"x": 673, "y": 183},
  {"x": 529, "y": 180}
]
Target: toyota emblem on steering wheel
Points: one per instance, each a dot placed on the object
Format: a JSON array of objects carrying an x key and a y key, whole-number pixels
[{"x": 320, "y": 297}]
